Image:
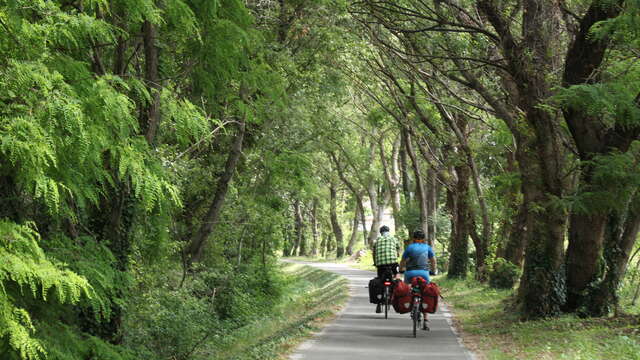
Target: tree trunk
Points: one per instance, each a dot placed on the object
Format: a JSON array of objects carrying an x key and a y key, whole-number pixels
[
  {"x": 621, "y": 235},
  {"x": 392, "y": 177},
  {"x": 375, "y": 221},
  {"x": 459, "y": 207},
  {"x": 531, "y": 62},
  {"x": 324, "y": 244},
  {"x": 357, "y": 194},
  {"x": 585, "y": 247},
  {"x": 354, "y": 231},
  {"x": 514, "y": 249},
  {"x": 301, "y": 241},
  {"x": 542, "y": 289},
  {"x": 516, "y": 226},
  {"x": 283, "y": 22},
  {"x": 421, "y": 197},
  {"x": 406, "y": 179},
  {"x": 458, "y": 125},
  {"x": 335, "y": 224},
  {"x": 314, "y": 227},
  {"x": 363, "y": 221},
  {"x": 590, "y": 230},
  {"x": 151, "y": 113},
  {"x": 286, "y": 244},
  {"x": 432, "y": 204},
  {"x": 195, "y": 250}
]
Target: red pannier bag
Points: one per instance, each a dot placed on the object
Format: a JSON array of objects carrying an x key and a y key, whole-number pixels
[
  {"x": 430, "y": 295},
  {"x": 401, "y": 298}
]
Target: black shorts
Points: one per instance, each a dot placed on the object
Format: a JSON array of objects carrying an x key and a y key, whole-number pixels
[{"x": 386, "y": 269}]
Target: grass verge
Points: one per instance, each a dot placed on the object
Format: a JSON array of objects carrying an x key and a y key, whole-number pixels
[
  {"x": 494, "y": 332},
  {"x": 365, "y": 262},
  {"x": 314, "y": 296}
]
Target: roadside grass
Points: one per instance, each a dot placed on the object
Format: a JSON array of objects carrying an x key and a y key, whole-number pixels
[
  {"x": 313, "y": 297},
  {"x": 493, "y": 331},
  {"x": 364, "y": 263}
]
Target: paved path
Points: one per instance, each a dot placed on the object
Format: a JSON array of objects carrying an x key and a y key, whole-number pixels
[{"x": 360, "y": 333}]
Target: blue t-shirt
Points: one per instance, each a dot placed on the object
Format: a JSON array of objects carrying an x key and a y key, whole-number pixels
[{"x": 417, "y": 256}]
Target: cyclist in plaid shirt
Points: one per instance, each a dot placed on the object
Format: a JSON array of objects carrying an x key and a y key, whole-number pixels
[{"x": 386, "y": 251}]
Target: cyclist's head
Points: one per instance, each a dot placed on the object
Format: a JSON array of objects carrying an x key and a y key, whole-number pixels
[
  {"x": 418, "y": 235},
  {"x": 384, "y": 229}
]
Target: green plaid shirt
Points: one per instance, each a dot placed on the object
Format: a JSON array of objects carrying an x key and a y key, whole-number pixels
[{"x": 385, "y": 250}]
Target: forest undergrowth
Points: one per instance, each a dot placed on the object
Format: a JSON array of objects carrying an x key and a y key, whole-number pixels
[
  {"x": 492, "y": 331},
  {"x": 313, "y": 296}
]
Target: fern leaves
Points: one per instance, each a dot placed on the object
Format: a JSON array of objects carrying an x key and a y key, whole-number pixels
[{"x": 25, "y": 266}]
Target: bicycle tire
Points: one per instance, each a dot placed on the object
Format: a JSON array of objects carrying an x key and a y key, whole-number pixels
[
  {"x": 415, "y": 315},
  {"x": 386, "y": 302}
]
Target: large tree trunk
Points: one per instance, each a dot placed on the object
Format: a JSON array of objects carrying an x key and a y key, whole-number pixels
[
  {"x": 517, "y": 227},
  {"x": 195, "y": 250},
  {"x": 542, "y": 287},
  {"x": 530, "y": 63},
  {"x": 516, "y": 242},
  {"x": 335, "y": 224},
  {"x": 586, "y": 240},
  {"x": 621, "y": 236},
  {"x": 592, "y": 136},
  {"x": 151, "y": 114},
  {"x": 458, "y": 203}
]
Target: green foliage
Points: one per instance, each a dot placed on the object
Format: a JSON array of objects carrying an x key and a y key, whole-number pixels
[
  {"x": 614, "y": 178},
  {"x": 65, "y": 342},
  {"x": 168, "y": 323},
  {"x": 503, "y": 274},
  {"x": 24, "y": 265},
  {"x": 485, "y": 313}
]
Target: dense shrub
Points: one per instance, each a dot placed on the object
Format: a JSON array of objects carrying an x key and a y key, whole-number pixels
[{"x": 503, "y": 274}]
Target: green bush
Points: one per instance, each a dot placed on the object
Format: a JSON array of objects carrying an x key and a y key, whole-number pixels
[
  {"x": 169, "y": 321},
  {"x": 504, "y": 274}
]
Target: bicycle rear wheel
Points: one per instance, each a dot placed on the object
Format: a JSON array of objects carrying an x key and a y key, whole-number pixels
[
  {"x": 386, "y": 302},
  {"x": 415, "y": 314}
]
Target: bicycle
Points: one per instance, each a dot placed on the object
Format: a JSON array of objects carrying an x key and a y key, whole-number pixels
[
  {"x": 387, "y": 279},
  {"x": 386, "y": 297},
  {"x": 416, "y": 310}
]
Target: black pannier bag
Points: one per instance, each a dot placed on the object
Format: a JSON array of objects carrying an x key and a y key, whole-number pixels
[{"x": 376, "y": 287}]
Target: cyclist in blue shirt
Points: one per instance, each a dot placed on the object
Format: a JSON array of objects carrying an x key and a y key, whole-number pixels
[{"x": 418, "y": 259}]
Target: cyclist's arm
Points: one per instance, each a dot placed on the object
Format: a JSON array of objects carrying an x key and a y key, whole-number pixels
[
  {"x": 432, "y": 261},
  {"x": 397, "y": 248},
  {"x": 403, "y": 262}
]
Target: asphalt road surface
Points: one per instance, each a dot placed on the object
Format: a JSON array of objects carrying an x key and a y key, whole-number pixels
[{"x": 359, "y": 333}]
